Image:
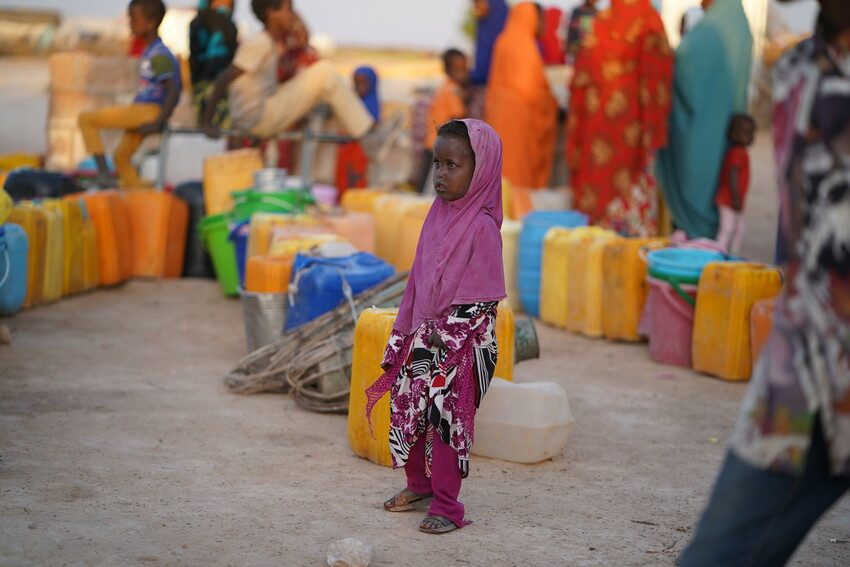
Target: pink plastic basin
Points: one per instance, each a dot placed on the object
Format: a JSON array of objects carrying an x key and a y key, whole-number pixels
[{"x": 668, "y": 321}]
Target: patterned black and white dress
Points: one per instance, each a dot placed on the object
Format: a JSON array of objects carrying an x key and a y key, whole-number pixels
[{"x": 428, "y": 387}]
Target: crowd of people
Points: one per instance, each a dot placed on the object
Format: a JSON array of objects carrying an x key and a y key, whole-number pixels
[
  {"x": 632, "y": 100},
  {"x": 637, "y": 112}
]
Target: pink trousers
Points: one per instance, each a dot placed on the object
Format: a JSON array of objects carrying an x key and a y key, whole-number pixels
[{"x": 444, "y": 482}]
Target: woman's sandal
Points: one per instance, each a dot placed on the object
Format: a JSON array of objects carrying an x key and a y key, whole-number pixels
[
  {"x": 405, "y": 500},
  {"x": 437, "y": 525}
]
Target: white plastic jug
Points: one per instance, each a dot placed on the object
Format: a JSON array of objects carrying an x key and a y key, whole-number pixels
[{"x": 522, "y": 423}]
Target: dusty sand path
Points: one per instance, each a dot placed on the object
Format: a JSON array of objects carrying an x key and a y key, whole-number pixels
[{"x": 119, "y": 445}]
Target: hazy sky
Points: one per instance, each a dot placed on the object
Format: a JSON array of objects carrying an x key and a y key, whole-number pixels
[{"x": 413, "y": 23}]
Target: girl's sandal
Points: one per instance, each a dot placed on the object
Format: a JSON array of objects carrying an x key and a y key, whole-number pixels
[
  {"x": 437, "y": 525},
  {"x": 405, "y": 500}
]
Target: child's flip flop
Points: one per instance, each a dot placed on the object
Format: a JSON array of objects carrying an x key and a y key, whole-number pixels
[
  {"x": 437, "y": 525},
  {"x": 405, "y": 500}
]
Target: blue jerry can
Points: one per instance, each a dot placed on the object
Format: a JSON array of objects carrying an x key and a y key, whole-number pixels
[
  {"x": 534, "y": 228},
  {"x": 319, "y": 285},
  {"x": 14, "y": 247}
]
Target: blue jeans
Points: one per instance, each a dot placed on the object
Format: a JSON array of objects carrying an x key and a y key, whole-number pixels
[{"x": 757, "y": 517}]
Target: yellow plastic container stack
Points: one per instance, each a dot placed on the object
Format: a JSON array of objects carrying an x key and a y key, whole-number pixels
[
  {"x": 584, "y": 281},
  {"x": 507, "y": 207},
  {"x": 554, "y": 274},
  {"x": 6, "y": 204},
  {"x": 34, "y": 222},
  {"x": 505, "y": 339},
  {"x": 390, "y": 209},
  {"x": 411, "y": 226},
  {"x": 360, "y": 200},
  {"x": 370, "y": 340},
  {"x": 593, "y": 285},
  {"x": 73, "y": 260},
  {"x": 725, "y": 297},
  {"x": 226, "y": 173},
  {"x": 624, "y": 287},
  {"x": 91, "y": 261},
  {"x": 265, "y": 225},
  {"x": 54, "y": 254},
  {"x": 355, "y": 227},
  {"x": 510, "y": 250}
]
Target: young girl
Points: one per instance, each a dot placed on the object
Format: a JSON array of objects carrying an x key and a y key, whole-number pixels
[{"x": 442, "y": 352}]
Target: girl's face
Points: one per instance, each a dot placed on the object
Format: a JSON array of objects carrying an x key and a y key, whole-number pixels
[{"x": 454, "y": 165}]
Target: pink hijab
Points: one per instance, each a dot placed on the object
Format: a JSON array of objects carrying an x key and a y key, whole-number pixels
[{"x": 459, "y": 255}]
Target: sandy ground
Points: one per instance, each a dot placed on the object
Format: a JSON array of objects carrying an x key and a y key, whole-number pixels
[{"x": 120, "y": 445}]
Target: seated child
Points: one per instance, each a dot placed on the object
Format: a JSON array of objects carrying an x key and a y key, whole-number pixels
[
  {"x": 734, "y": 182},
  {"x": 160, "y": 89},
  {"x": 351, "y": 163},
  {"x": 261, "y": 107},
  {"x": 449, "y": 103},
  {"x": 212, "y": 45}
]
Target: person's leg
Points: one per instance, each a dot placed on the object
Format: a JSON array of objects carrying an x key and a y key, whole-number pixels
[
  {"x": 316, "y": 84},
  {"x": 417, "y": 482},
  {"x": 726, "y": 228},
  {"x": 446, "y": 481},
  {"x": 738, "y": 234},
  {"x": 127, "y": 174},
  {"x": 128, "y": 118},
  {"x": 757, "y": 517}
]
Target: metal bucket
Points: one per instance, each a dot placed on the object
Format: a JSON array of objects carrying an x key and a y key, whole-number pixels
[
  {"x": 526, "y": 345},
  {"x": 270, "y": 179},
  {"x": 264, "y": 315}
]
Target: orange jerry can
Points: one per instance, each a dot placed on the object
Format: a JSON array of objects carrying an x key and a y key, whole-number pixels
[
  {"x": 158, "y": 224},
  {"x": 268, "y": 274},
  {"x": 91, "y": 267},
  {"x": 111, "y": 220},
  {"x": 725, "y": 297},
  {"x": 761, "y": 324}
]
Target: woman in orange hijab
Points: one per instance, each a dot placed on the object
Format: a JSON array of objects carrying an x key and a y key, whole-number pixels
[
  {"x": 520, "y": 105},
  {"x": 619, "y": 104}
]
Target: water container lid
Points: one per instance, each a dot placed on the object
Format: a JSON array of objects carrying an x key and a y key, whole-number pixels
[{"x": 554, "y": 218}]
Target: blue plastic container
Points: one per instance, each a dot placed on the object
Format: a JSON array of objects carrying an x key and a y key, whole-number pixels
[
  {"x": 14, "y": 247},
  {"x": 318, "y": 285},
  {"x": 239, "y": 236},
  {"x": 534, "y": 229},
  {"x": 681, "y": 264}
]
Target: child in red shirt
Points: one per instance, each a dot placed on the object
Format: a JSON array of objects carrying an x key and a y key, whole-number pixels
[{"x": 734, "y": 182}]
